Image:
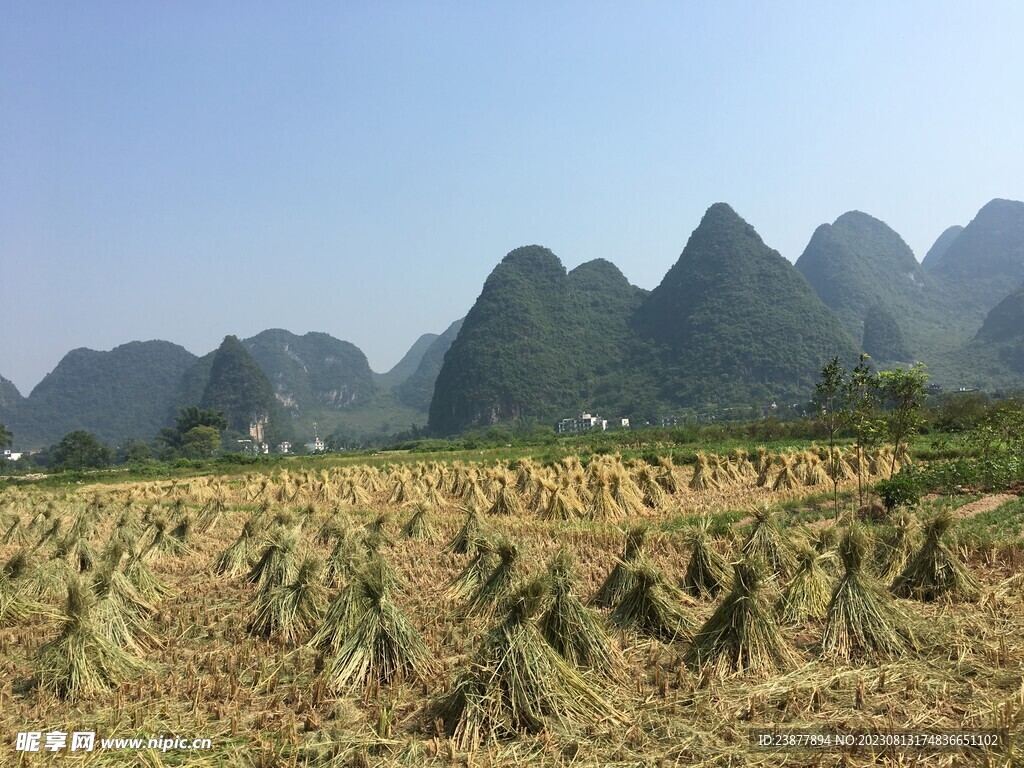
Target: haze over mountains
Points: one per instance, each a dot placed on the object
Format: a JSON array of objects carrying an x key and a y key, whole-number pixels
[{"x": 731, "y": 324}]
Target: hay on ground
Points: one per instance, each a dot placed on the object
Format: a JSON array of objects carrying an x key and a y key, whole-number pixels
[
  {"x": 651, "y": 607},
  {"x": 862, "y": 619},
  {"x": 935, "y": 571},
  {"x": 742, "y": 636},
  {"x": 619, "y": 580},
  {"x": 707, "y": 573},
  {"x": 517, "y": 682}
]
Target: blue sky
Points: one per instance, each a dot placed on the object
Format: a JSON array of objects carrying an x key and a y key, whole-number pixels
[{"x": 188, "y": 170}]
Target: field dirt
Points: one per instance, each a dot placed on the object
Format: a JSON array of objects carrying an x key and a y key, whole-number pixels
[{"x": 984, "y": 504}]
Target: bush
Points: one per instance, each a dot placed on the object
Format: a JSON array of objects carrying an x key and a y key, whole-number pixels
[{"x": 901, "y": 490}]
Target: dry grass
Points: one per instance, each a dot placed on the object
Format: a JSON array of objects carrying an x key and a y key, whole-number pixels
[{"x": 264, "y": 702}]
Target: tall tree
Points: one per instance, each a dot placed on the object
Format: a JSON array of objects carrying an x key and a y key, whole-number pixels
[
  {"x": 828, "y": 393},
  {"x": 6, "y": 438},
  {"x": 81, "y": 450},
  {"x": 861, "y": 412},
  {"x": 902, "y": 393}
]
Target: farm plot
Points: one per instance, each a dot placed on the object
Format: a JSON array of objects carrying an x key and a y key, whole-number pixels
[{"x": 593, "y": 612}]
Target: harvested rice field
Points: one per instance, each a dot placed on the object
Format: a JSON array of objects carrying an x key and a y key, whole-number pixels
[{"x": 595, "y": 612}]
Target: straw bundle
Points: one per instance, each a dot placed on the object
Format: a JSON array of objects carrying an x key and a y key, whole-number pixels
[
  {"x": 563, "y": 503},
  {"x": 620, "y": 579},
  {"x": 898, "y": 543},
  {"x": 765, "y": 542},
  {"x": 290, "y": 611},
  {"x": 464, "y": 541},
  {"x": 810, "y": 590},
  {"x": 345, "y": 558},
  {"x": 652, "y": 607},
  {"x": 517, "y": 682},
  {"x": 814, "y": 470},
  {"x": 786, "y": 479},
  {"x": 707, "y": 573},
  {"x": 121, "y": 611},
  {"x": 647, "y": 481},
  {"x": 602, "y": 505},
  {"x": 499, "y": 582},
  {"x": 935, "y": 571},
  {"x": 276, "y": 563},
  {"x": 418, "y": 527},
  {"x": 506, "y": 502},
  {"x": 16, "y": 603},
  {"x": 741, "y": 636},
  {"x": 628, "y": 497},
  {"x": 702, "y": 480},
  {"x": 666, "y": 475},
  {"x": 382, "y": 646},
  {"x": 475, "y": 572},
  {"x": 764, "y": 470},
  {"x": 862, "y": 620},
  {"x": 572, "y": 629},
  {"x": 81, "y": 661}
]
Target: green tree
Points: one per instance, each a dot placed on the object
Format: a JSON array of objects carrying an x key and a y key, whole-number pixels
[
  {"x": 6, "y": 438},
  {"x": 134, "y": 452},
  {"x": 828, "y": 393},
  {"x": 902, "y": 393},
  {"x": 860, "y": 411},
  {"x": 200, "y": 442},
  {"x": 187, "y": 420},
  {"x": 81, "y": 450}
]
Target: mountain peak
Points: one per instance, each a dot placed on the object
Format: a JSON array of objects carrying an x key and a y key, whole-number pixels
[
  {"x": 239, "y": 388},
  {"x": 859, "y": 262},
  {"x": 939, "y": 248},
  {"x": 991, "y": 247},
  {"x": 727, "y": 302},
  {"x": 1006, "y": 320}
]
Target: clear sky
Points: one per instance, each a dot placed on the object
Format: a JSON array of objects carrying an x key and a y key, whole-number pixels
[{"x": 185, "y": 170}]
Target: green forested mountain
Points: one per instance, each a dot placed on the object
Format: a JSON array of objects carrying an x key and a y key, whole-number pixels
[
  {"x": 985, "y": 262},
  {"x": 417, "y": 389},
  {"x": 10, "y": 397},
  {"x": 117, "y": 394},
  {"x": 990, "y": 248},
  {"x": 938, "y": 250},
  {"x": 994, "y": 358},
  {"x": 240, "y": 390},
  {"x": 513, "y": 356},
  {"x": 883, "y": 339},
  {"x": 735, "y": 322},
  {"x": 407, "y": 366},
  {"x": 732, "y": 323},
  {"x": 1006, "y": 320},
  {"x": 313, "y": 371},
  {"x": 859, "y": 264}
]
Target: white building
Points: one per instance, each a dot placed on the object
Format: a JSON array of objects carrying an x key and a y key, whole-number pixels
[{"x": 584, "y": 423}]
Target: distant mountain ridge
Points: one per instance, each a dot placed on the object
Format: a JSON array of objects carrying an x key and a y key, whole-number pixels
[
  {"x": 117, "y": 394},
  {"x": 408, "y": 365},
  {"x": 859, "y": 265},
  {"x": 939, "y": 248},
  {"x": 731, "y": 324},
  {"x": 136, "y": 389},
  {"x": 417, "y": 389},
  {"x": 735, "y": 320},
  {"x": 313, "y": 370}
]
